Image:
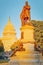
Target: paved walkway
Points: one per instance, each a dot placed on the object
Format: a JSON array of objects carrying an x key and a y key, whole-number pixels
[{"x": 28, "y": 57}]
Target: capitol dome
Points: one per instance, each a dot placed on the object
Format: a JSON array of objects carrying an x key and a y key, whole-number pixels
[
  {"x": 9, "y": 35},
  {"x": 9, "y": 28}
]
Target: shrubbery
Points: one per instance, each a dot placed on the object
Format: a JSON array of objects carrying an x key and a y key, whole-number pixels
[{"x": 1, "y": 46}]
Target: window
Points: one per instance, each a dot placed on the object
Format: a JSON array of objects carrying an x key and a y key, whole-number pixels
[{"x": 22, "y": 35}]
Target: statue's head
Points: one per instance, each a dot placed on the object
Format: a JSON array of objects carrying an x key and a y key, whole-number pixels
[{"x": 26, "y": 3}]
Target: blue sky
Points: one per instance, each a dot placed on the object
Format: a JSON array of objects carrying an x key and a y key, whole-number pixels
[{"x": 13, "y": 9}]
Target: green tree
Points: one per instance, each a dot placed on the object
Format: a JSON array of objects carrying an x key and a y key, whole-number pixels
[{"x": 1, "y": 46}]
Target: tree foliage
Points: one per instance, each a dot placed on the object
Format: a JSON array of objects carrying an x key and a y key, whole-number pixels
[{"x": 1, "y": 46}]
